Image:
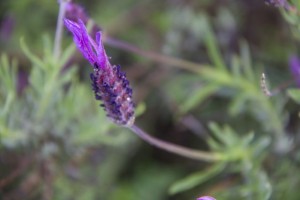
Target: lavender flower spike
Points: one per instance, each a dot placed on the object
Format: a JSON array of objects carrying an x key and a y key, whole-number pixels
[{"x": 110, "y": 85}]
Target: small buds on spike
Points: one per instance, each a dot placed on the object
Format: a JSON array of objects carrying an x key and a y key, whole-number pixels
[
  {"x": 264, "y": 87},
  {"x": 116, "y": 97}
]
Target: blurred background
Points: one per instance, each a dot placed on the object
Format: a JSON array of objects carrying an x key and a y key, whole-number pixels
[{"x": 195, "y": 68}]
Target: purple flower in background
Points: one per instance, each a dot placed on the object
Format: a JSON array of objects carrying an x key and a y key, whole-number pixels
[
  {"x": 22, "y": 81},
  {"x": 277, "y": 3},
  {"x": 75, "y": 12},
  {"x": 110, "y": 85},
  {"x": 294, "y": 64},
  {"x": 7, "y": 27},
  {"x": 282, "y": 4},
  {"x": 206, "y": 198}
]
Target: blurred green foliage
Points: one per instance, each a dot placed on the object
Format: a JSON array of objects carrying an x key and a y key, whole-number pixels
[{"x": 56, "y": 143}]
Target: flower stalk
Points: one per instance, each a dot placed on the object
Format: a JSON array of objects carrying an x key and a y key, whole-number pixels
[
  {"x": 59, "y": 29},
  {"x": 176, "y": 149}
]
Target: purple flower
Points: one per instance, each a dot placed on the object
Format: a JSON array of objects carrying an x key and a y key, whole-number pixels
[
  {"x": 92, "y": 51},
  {"x": 294, "y": 64},
  {"x": 110, "y": 85},
  {"x": 7, "y": 27},
  {"x": 75, "y": 12},
  {"x": 206, "y": 198},
  {"x": 277, "y": 3},
  {"x": 281, "y": 3}
]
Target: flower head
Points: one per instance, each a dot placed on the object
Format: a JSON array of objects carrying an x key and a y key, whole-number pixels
[
  {"x": 294, "y": 64},
  {"x": 110, "y": 85}
]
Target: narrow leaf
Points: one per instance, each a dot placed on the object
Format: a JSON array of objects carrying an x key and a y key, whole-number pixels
[
  {"x": 246, "y": 61},
  {"x": 294, "y": 94},
  {"x": 33, "y": 58},
  {"x": 195, "y": 179},
  {"x": 212, "y": 47},
  {"x": 196, "y": 98}
]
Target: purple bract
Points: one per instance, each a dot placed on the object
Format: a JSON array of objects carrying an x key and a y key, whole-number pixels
[{"x": 92, "y": 51}]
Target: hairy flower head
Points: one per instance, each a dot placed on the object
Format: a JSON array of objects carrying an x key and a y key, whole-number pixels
[{"x": 110, "y": 85}]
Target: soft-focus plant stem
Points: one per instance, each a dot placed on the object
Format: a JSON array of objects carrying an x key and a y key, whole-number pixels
[
  {"x": 176, "y": 149},
  {"x": 158, "y": 57},
  {"x": 184, "y": 64},
  {"x": 59, "y": 29},
  {"x": 56, "y": 54},
  {"x": 48, "y": 91}
]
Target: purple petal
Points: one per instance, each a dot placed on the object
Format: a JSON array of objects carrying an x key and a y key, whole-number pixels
[
  {"x": 102, "y": 57},
  {"x": 294, "y": 64},
  {"x": 206, "y": 198},
  {"x": 81, "y": 39}
]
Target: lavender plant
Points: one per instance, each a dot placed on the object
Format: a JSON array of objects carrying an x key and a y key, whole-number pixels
[{"x": 71, "y": 151}]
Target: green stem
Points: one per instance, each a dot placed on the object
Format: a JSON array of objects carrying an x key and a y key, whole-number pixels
[
  {"x": 191, "y": 66},
  {"x": 48, "y": 91},
  {"x": 59, "y": 30},
  {"x": 176, "y": 149}
]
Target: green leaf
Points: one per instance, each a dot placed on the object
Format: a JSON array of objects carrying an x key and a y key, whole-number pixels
[
  {"x": 67, "y": 76},
  {"x": 294, "y": 94},
  {"x": 140, "y": 109},
  {"x": 66, "y": 55},
  {"x": 238, "y": 103},
  {"x": 247, "y": 139},
  {"x": 212, "y": 47},
  {"x": 10, "y": 138},
  {"x": 195, "y": 179},
  {"x": 47, "y": 56},
  {"x": 198, "y": 97},
  {"x": 8, "y": 102},
  {"x": 216, "y": 130},
  {"x": 218, "y": 77},
  {"x": 289, "y": 17},
  {"x": 33, "y": 58},
  {"x": 37, "y": 80},
  {"x": 8, "y": 73},
  {"x": 236, "y": 66},
  {"x": 246, "y": 61}
]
